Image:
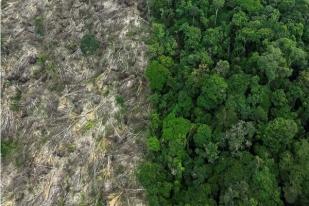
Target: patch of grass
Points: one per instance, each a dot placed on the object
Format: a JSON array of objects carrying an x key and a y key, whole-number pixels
[
  {"x": 120, "y": 100},
  {"x": 7, "y": 82},
  {"x": 15, "y": 101},
  {"x": 8, "y": 147},
  {"x": 39, "y": 26},
  {"x": 61, "y": 202},
  {"x": 71, "y": 147},
  {"x": 83, "y": 201},
  {"x": 123, "y": 109},
  {"x": 89, "y": 44},
  {"x": 51, "y": 69},
  {"x": 42, "y": 58},
  {"x": 100, "y": 202},
  {"x": 88, "y": 126},
  {"x": 44, "y": 61}
]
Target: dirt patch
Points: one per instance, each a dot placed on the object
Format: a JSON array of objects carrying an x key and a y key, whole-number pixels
[{"x": 77, "y": 121}]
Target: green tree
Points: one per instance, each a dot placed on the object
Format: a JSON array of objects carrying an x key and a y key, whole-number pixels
[
  {"x": 174, "y": 137},
  {"x": 185, "y": 104},
  {"x": 273, "y": 64},
  {"x": 155, "y": 180},
  {"x": 153, "y": 144},
  {"x": 240, "y": 136},
  {"x": 250, "y": 5},
  {"x": 203, "y": 135},
  {"x": 192, "y": 36},
  {"x": 213, "y": 92},
  {"x": 265, "y": 188},
  {"x": 294, "y": 169},
  {"x": 222, "y": 68},
  {"x": 213, "y": 40},
  {"x": 157, "y": 75},
  {"x": 230, "y": 83},
  {"x": 293, "y": 54},
  {"x": 278, "y": 134},
  {"x": 218, "y": 4},
  {"x": 240, "y": 19}
]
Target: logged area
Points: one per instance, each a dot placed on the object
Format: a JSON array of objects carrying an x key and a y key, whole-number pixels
[
  {"x": 73, "y": 106},
  {"x": 230, "y": 96}
]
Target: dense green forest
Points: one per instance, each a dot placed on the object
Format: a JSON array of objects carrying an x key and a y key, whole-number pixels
[{"x": 230, "y": 96}]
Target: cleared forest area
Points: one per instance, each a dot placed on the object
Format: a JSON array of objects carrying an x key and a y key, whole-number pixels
[{"x": 73, "y": 102}]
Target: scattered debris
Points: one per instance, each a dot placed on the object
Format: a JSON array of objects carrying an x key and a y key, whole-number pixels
[{"x": 76, "y": 145}]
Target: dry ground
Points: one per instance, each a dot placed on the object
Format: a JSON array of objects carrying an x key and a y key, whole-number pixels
[{"x": 76, "y": 122}]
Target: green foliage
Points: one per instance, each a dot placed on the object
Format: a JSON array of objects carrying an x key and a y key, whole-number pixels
[
  {"x": 185, "y": 104},
  {"x": 196, "y": 196},
  {"x": 120, "y": 100},
  {"x": 89, "y": 44},
  {"x": 264, "y": 182},
  {"x": 218, "y": 3},
  {"x": 153, "y": 144},
  {"x": 222, "y": 68},
  {"x": 88, "y": 126},
  {"x": 213, "y": 92},
  {"x": 295, "y": 167},
  {"x": 48, "y": 68},
  {"x": 231, "y": 107},
  {"x": 279, "y": 133},
  {"x": 41, "y": 59},
  {"x": 161, "y": 43},
  {"x": 39, "y": 26},
  {"x": 240, "y": 19},
  {"x": 212, "y": 152},
  {"x": 157, "y": 75},
  {"x": 250, "y": 5},
  {"x": 274, "y": 64},
  {"x": 202, "y": 135},
  {"x": 192, "y": 36},
  {"x": 240, "y": 136},
  {"x": 7, "y": 148},
  {"x": 154, "y": 178}
]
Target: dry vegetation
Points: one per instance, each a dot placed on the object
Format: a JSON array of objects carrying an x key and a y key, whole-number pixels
[{"x": 72, "y": 123}]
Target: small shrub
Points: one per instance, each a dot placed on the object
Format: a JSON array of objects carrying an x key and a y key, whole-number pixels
[
  {"x": 48, "y": 67},
  {"x": 7, "y": 148},
  {"x": 71, "y": 148},
  {"x": 88, "y": 126},
  {"x": 39, "y": 26},
  {"x": 120, "y": 101},
  {"x": 89, "y": 44},
  {"x": 41, "y": 59}
]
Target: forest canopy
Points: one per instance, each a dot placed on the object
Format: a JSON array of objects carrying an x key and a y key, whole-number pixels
[{"x": 230, "y": 96}]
